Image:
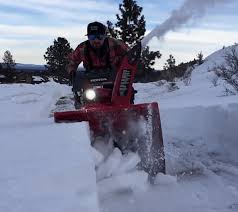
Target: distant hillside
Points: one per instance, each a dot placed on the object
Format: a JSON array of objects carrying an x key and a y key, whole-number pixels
[
  {"x": 28, "y": 67},
  {"x": 204, "y": 88}
]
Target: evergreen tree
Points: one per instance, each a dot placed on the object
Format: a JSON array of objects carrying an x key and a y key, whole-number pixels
[
  {"x": 111, "y": 30},
  {"x": 8, "y": 60},
  {"x": 130, "y": 28},
  {"x": 148, "y": 59},
  {"x": 131, "y": 23},
  {"x": 57, "y": 59},
  {"x": 200, "y": 58},
  {"x": 169, "y": 68},
  {"x": 170, "y": 63}
]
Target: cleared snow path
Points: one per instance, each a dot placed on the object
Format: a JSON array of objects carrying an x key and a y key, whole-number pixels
[
  {"x": 201, "y": 133},
  {"x": 201, "y": 160}
]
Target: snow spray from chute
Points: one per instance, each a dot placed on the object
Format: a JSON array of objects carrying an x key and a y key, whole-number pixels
[{"x": 191, "y": 9}]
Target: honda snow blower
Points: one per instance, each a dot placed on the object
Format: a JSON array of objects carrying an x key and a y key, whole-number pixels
[{"x": 108, "y": 108}]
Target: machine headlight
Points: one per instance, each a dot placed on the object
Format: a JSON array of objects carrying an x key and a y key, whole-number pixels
[{"x": 90, "y": 94}]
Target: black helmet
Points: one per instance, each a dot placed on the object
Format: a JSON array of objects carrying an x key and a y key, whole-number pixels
[{"x": 96, "y": 28}]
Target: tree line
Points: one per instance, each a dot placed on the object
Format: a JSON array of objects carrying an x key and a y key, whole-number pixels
[{"x": 130, "y": 28}]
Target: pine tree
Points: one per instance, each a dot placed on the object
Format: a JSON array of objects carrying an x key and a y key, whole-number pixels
[
  {"x": 57, "y": 59},
  {"x": 130, "y": 28},
  {"x": 169, "y": 67},
  {"x": 148, "y": 58},
  {"x": 170, "y": 63},
  {"x": 8, "y": 60},
  {"x": 200, "y": 58},
  {"x": 111, "y": 30},
  {"x": 131, "y": 23}
]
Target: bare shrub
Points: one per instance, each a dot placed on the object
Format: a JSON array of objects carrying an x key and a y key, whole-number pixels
[
  {"x": 187, "y": 76},
  {"x": 172, "y": 86},
  {"x": 229, "y": 70},
  {"x": 214, "y": 80},
  {"x": 228, "y": 92},
  {"x": 160, "y": 83}
]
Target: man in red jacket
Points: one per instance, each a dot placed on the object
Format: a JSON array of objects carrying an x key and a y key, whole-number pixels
[{"x": 99, "y": 52}]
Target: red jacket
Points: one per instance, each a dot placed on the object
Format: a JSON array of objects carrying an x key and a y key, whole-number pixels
[{"x": 109, "y": 56}]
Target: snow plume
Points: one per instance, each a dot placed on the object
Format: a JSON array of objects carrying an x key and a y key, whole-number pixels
[{"x": 191, "y": 9}]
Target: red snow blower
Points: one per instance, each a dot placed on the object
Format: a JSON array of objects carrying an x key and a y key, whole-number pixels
[{"x": 107, "y": 105}]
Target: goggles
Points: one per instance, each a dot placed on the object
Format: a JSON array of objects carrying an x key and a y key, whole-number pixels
[{"x": 94, "y": 37}]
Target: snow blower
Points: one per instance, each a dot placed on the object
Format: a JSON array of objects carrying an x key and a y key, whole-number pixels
[{"x": 108, "y": 108}]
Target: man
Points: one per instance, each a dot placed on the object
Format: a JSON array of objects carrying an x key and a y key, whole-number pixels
[{"x": 99, "y": 52}]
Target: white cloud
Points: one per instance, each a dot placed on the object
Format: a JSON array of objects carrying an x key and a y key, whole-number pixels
[
  {"x": 69, "y": 19},
  {"x": 60, "y": 6},
  {"x": 201, "y": 37},
  {"x": 11, "y": 16},
  {"x": 29, "y": 43},
  {"x": 37, "y": 31},
  {"x": 185, "y": 45},
  {"x": 204, "y": 36},
  {"x": 56, "y": 13}
]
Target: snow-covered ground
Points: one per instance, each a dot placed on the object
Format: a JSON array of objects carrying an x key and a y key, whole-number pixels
[{"x": 49, "y": 167}]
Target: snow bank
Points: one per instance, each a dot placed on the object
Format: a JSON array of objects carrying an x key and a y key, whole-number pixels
[
  {"x": 196, "y": 131},
  {"x": 43, "y": 166},
  {"x": 24, "y": 102},
  {"x": 46, "y": 167}
]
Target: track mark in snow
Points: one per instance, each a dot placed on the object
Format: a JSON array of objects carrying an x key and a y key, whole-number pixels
[{"x": 64, "y": 103}]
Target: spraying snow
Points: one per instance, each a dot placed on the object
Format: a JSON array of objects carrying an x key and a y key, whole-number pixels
[{"x": 191, "y": 9}]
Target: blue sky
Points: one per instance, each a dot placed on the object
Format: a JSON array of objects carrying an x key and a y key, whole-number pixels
[{"x": 28, "y": 27}]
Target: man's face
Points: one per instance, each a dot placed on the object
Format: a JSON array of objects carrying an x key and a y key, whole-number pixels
[{"x": 96, "y": 41}]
